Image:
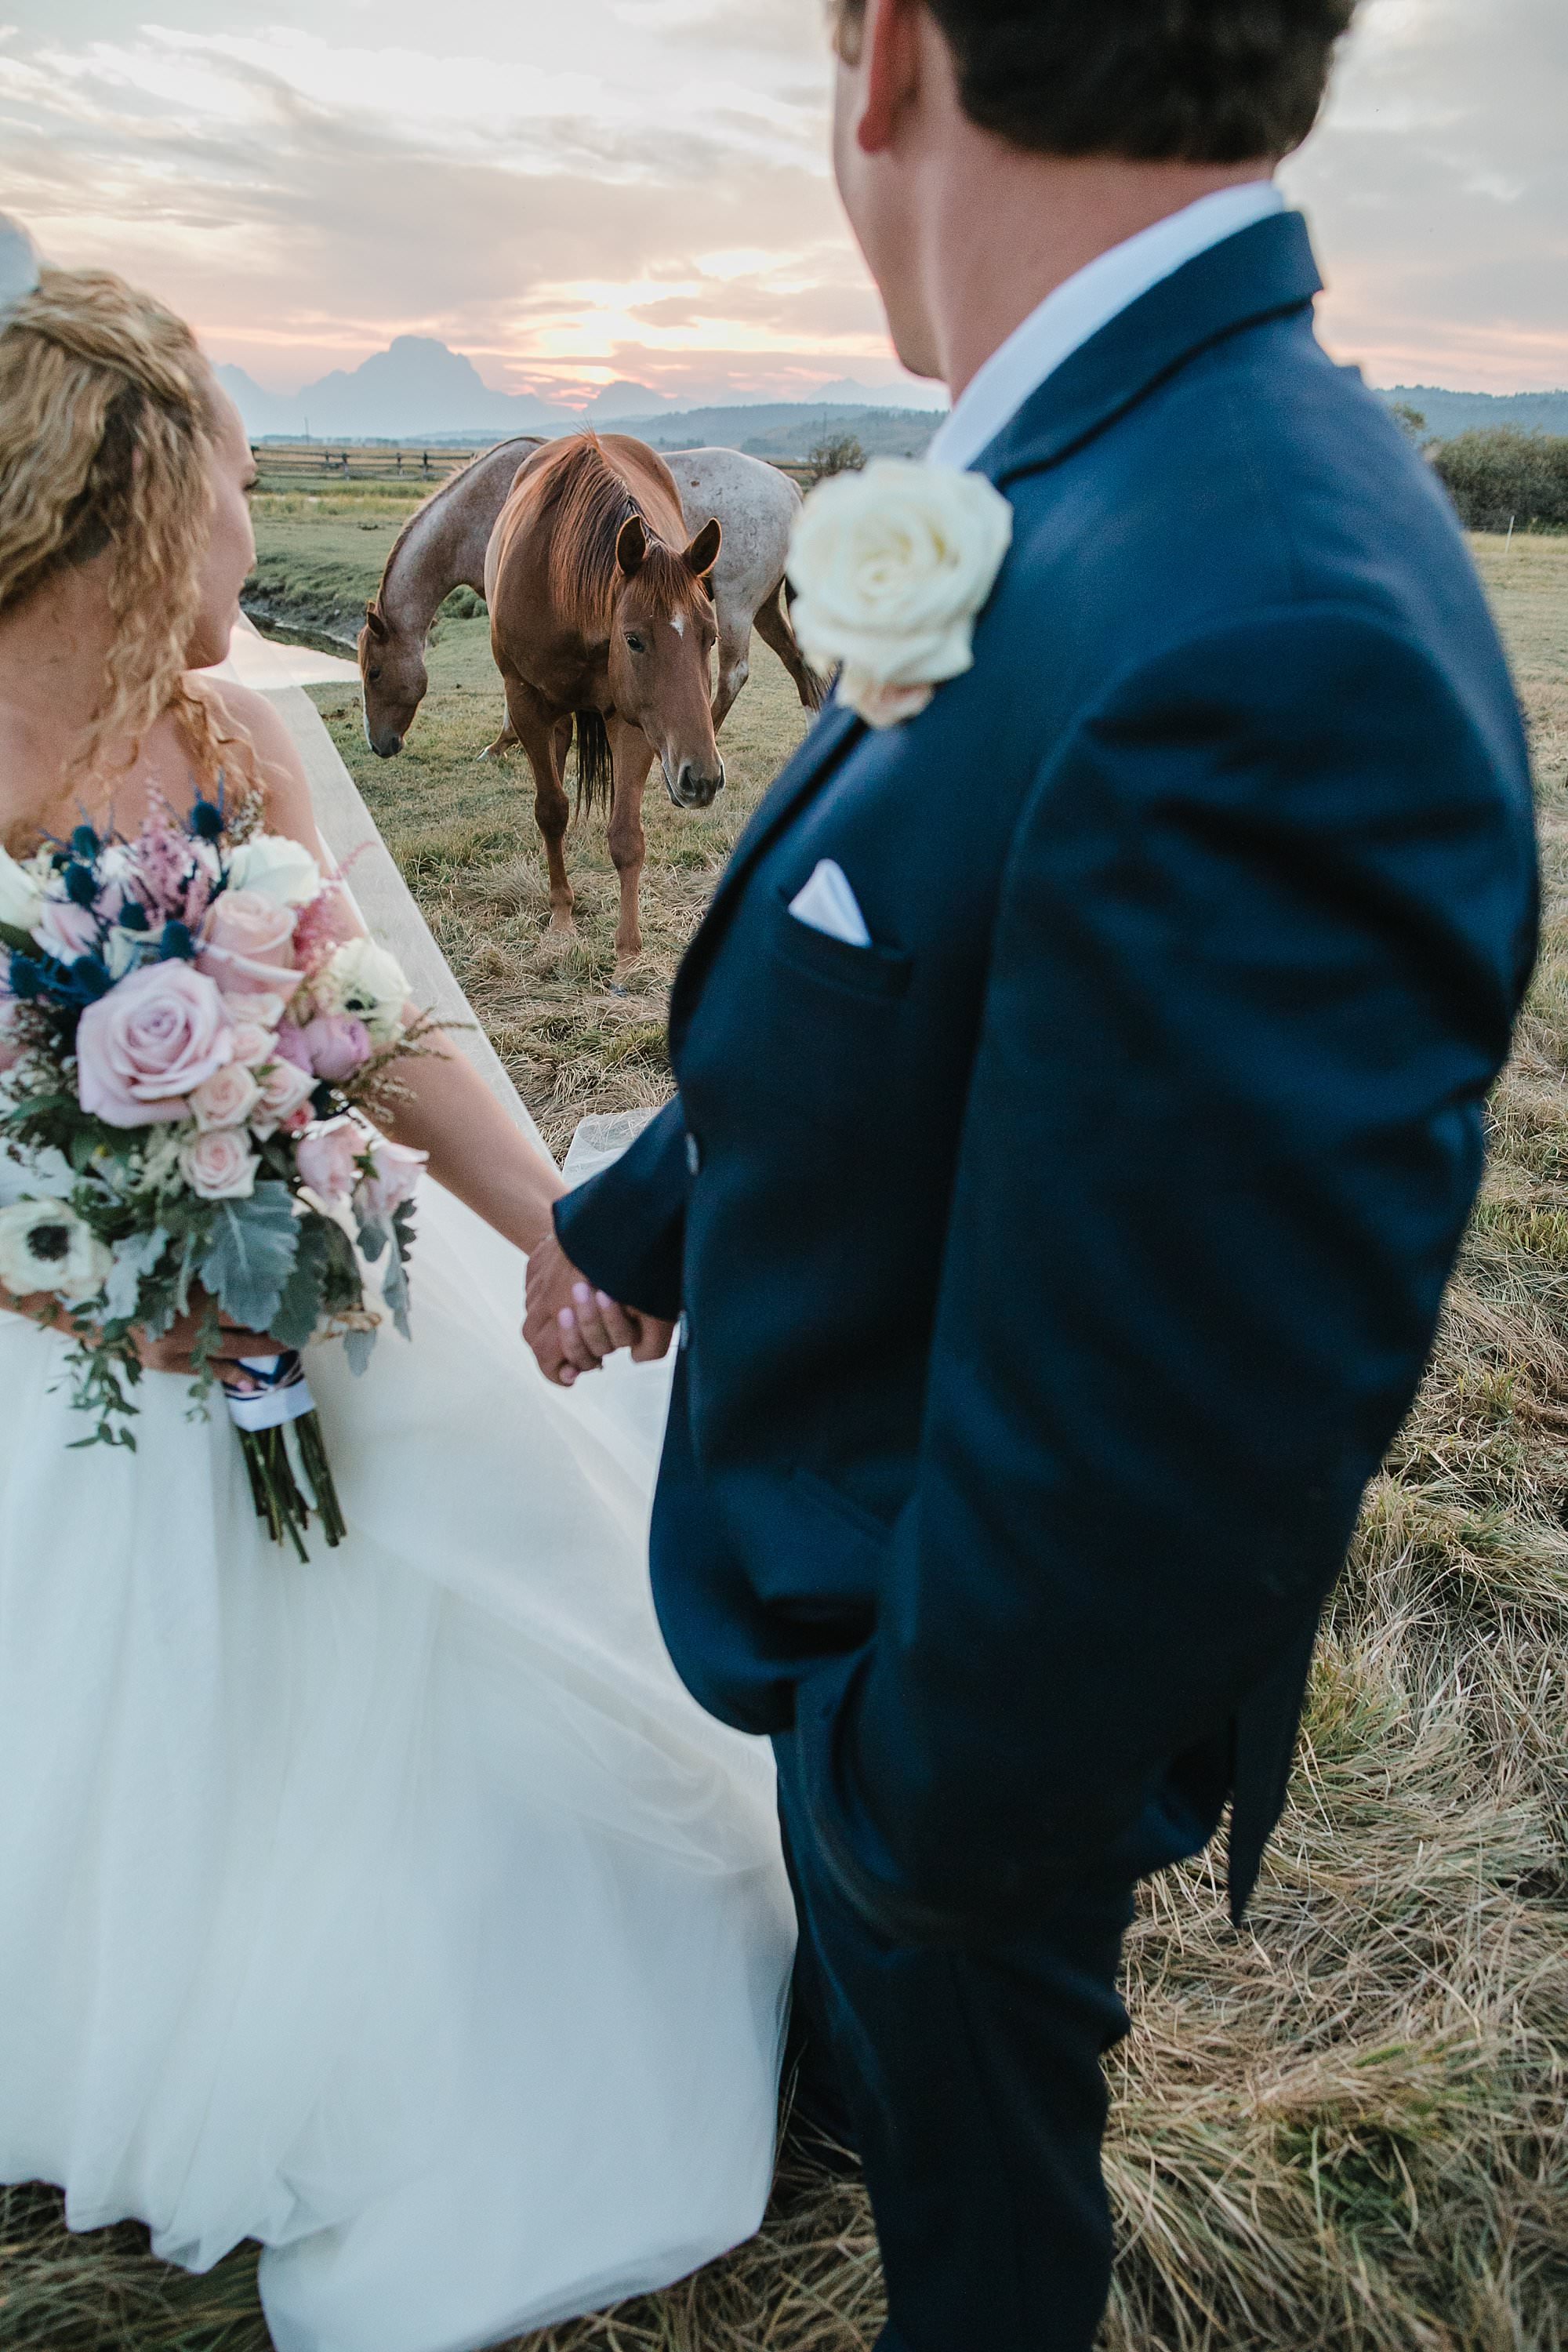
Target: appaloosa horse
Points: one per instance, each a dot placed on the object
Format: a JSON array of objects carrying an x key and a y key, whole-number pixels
[
  {"x": 442, "y": 547},
  {"x": 602, "y": 619}
]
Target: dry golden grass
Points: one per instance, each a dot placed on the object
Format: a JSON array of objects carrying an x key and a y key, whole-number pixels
[{"x": 1344, "y": 2128}]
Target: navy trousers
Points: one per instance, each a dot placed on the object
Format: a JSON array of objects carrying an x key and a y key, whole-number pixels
[{"x": 972, "y": 2083}]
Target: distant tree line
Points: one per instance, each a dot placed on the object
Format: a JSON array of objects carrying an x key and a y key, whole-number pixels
[{"x": 1496, "y": 478}]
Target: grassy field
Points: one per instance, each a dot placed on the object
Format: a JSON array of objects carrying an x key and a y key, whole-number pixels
[{"x": 1344, "y": 2128}]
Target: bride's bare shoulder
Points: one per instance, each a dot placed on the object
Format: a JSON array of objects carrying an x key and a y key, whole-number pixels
[{"x": 240, "y": 711}]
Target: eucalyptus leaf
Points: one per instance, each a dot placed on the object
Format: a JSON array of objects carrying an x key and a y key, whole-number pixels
[
  {"x": 303, "y": 1303},
  {"x": 395, "y": 1290},
  {"x": 252, "y": 1253},
  {"x": 373, "y": 1239},
  {"x": 359, "y": 1347}
]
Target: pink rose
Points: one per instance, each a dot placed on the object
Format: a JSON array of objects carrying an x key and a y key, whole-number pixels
[
  {"x": 248, "y": 945},
  {"x": 337, "y": 1046},
  {"x": 220, "y": 1165},
  {"x": 253, "y": 1044},
  {"x": 67, "y": 930},
  {"x": 150, "y": 1042},
  {"x": 285, "y": 1088},
  {"x": 326, "y": 1156},
  {"x": 395, "y": 1180},
  {"x": 226, "y": 1099}
]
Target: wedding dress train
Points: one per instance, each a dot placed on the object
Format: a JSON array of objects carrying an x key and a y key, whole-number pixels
[{"x": 399, "y": 1910}]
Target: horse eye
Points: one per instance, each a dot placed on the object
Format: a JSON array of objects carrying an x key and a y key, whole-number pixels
[
  {"x": 637, "y": 645},
  {"x": 375, "y": 677}
]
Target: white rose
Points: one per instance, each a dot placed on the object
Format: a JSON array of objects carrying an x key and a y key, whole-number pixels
[
  {"x": 220, "y": 1164},
  {"x": 45, "y": 1246},
  {"x": 21, "y": 899},
  {"x": 369, "y": 984},
  {"x": 226, "y": 1099},
  {"x": 276, "y": 868},
  {"x": 892, "y": 568}
]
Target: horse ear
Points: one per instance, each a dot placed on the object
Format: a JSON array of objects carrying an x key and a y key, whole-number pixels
[
  {"x": 703, "y": 552},
  {"x": 374, "y": 622},
  {"x": 631, "y": 548}
]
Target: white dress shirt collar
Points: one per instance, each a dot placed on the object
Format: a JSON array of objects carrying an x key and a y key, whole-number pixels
[{"x": 1084, "y": 303}]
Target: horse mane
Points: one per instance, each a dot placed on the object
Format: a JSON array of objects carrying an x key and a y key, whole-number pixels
[
  {"x": 442, "y": 491},
  {"x": 589, "y": 503}
]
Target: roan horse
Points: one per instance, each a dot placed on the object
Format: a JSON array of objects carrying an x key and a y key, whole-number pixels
[
  {"x": 443, "y": 545},
  {"x": 602, "y": 618}
]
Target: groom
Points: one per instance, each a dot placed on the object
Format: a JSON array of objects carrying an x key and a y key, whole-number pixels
[{"x": 1062, "y": 1184}]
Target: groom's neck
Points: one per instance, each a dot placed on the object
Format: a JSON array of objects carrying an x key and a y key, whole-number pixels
[{"x": 997, "y": 230}]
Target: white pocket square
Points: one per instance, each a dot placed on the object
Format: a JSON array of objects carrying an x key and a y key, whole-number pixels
[{"x": 827, "y": 904}]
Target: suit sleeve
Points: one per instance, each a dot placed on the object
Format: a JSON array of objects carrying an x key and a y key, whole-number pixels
[
  {"x": 626, "y": 1227},
  {"x": 1262, "y": 935}
]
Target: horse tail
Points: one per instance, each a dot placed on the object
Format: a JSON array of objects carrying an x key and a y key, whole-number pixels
[{"x": 596, "y": 764}]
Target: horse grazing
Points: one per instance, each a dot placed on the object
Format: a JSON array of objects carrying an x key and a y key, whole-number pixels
[
  {"x": 443, "y": 546},
  {"x": 602, "y": 620}
]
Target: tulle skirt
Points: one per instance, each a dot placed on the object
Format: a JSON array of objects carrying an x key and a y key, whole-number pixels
[{"x": 399, "y": 1909}]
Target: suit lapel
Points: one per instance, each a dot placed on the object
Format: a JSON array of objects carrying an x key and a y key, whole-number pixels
[
  {"x": 1262, "y": 272},
  {"x": 833, "y": 736}
]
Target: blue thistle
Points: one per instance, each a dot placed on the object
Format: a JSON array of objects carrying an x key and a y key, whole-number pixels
[
  {"x": 177, "y": 943},
  {"x": 85, "y": 843},
  {"x": 81, "y": 885},
  {"x": 206, "y": 820}
]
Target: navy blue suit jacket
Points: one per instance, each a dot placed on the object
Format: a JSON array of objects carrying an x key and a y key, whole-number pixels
[{"x": 1058, "y": 1270}]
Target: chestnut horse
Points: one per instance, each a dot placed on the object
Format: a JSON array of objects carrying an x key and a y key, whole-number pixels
[{"x": 602, "y": 619}]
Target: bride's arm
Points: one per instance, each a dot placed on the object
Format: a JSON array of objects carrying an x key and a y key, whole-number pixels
[{"x": 476, "y": 1151}]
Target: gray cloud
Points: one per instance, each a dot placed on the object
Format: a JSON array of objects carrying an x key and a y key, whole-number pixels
[
  {"x": 302, "y": 213},
  {"x": 1438, "y": 191}
]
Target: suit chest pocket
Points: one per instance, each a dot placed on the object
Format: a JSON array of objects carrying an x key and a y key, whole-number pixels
[
  {"x": 826, "y": 1020},
  {"x": 881, "y": 974}
]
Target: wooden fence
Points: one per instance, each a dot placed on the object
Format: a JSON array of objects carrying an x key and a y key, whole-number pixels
[{"x": 322, "y": 466}]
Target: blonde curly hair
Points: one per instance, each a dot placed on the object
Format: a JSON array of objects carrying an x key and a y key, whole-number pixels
[{"x": 108, "y": 415}]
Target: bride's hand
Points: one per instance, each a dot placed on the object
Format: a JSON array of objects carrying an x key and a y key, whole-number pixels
[
  {"x": 572, "y": 1327},
  {"x": 175, "y": 1351}
]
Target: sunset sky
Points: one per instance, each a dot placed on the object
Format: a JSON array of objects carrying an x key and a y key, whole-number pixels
[{"x": 575, "y": 193}]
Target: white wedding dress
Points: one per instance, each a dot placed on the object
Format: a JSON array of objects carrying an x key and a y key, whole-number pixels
[{"x": 399, "y": 1910}]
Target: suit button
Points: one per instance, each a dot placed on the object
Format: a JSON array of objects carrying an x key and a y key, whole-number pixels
[{"x": 694, "y": 1155}]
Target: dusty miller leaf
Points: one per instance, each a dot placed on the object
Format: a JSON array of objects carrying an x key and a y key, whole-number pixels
[
  {"x": 251, "y": 1254},
  {"x": 134, "y": 1259}
]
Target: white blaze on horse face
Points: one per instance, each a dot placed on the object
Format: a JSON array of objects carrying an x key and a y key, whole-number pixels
[{"x": 678, "y": 624}]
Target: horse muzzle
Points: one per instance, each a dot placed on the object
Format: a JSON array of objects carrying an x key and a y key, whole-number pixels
[
  {"x": 385, "y": 741},
  {"x": 692, "y": 787}
]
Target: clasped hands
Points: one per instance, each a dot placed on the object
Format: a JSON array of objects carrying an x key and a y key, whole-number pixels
[{"x": 572, "y": 1327}]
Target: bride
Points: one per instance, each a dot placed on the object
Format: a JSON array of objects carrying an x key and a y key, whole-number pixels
[{"x": 399, "y": 1910}]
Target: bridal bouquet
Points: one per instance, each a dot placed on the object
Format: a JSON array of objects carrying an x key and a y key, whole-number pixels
[{"x": 193, "y": 1042}]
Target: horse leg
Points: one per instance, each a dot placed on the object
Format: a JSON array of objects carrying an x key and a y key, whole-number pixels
[
  {"x": 774, "y": 630},
  {"x": 544, "y": 739},
  {"x": 633, "y": 756},
  {"x": 505, "y": 742},
  {"x": 734, "y": 664}
]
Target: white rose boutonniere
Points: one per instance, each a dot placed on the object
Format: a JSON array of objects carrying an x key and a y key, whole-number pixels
[{"x": 890, "y": 569}]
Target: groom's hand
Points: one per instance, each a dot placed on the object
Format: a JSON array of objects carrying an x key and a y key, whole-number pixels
[{"x": 571, "y": 1327}]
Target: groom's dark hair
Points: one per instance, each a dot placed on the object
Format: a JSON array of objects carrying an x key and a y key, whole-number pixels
[{"x": 1157, "y": 81}]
